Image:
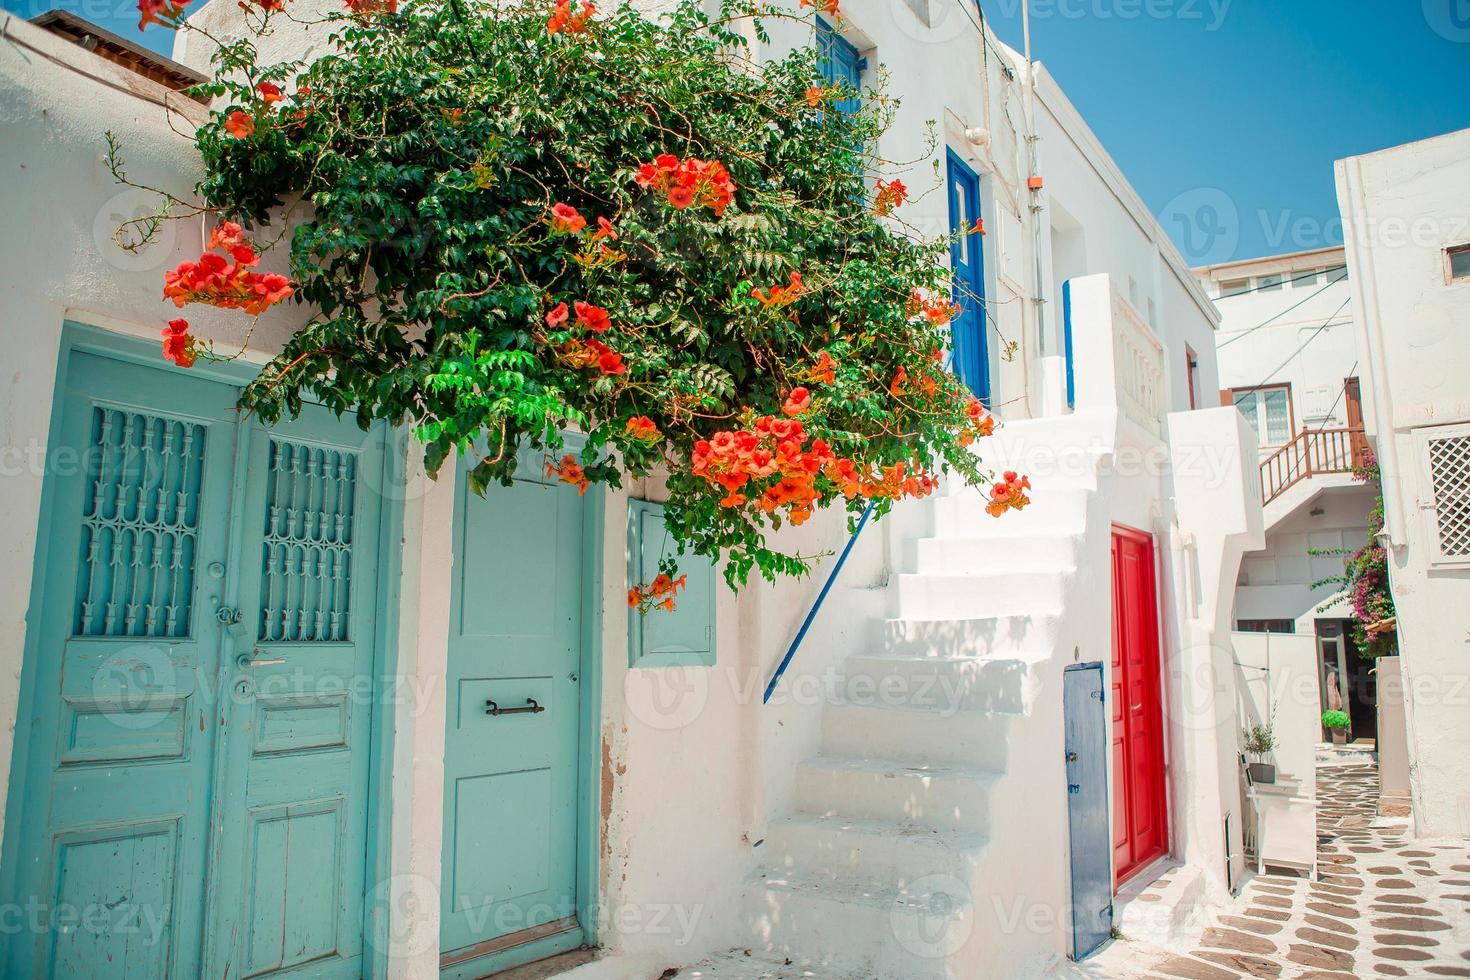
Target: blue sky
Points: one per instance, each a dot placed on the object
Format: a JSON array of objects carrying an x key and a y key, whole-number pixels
[{"x": 1226, "y": 115}]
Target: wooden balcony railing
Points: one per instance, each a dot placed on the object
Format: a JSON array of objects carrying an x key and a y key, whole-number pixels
[{"x": 1312, "y": 453}]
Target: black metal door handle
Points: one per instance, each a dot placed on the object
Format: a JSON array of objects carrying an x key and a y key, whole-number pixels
[{"x": 531, "y": 708}]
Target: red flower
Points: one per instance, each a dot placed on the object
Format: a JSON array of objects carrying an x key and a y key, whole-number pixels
[
  {"x": 594, "y": 318},
  {"x": 557, "y": 316},
  {"x": 178, "y": 346},
  {"x": 978, "y": 228},
  {"x": 611, "y": 362},
  {"x": 566, "y": 219},
  {"x": 828, "y": 7},
  {"x": 896, "y": 386},
  {"x": 681, "y": 197},
  {"x": 890, "y": 196},
  {"x": 563, "y": 21},
  {"x": 569, "y": 472},
  {"x": 781, "y": 295},
  {"x": 239, "y": 124},
  {"x": 604, "y": 230},
  {"x": 270, "y": 92},
  {"x": 159, "y": 12},
  {"x": 641, "y": 428},
  {"x": 687, "y": 183},
  {"x": 1008, "y": 494},
  {"x": 815, "y": 96},
  {"x": 798, "y": 402}
]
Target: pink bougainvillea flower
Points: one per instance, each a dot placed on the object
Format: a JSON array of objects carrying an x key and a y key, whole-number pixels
[
  {"x": 566, "y": 219},
  {"x": 270, "y": 92},
  {"x": 239, "y": 124},
  {"x": 557, "y": 316}
]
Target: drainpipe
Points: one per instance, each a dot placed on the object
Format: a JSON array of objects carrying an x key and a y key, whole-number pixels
[{"x": 1034, "y": 185}]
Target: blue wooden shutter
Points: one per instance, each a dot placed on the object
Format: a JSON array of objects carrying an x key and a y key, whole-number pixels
[
  {"x": 686, "y": 636},
  {"x": 841, "y": 64}
]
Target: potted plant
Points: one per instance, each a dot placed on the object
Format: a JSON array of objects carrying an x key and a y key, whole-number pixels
[
  {"x": 1259, "y": 741},
  {"x": 1336, "y": 722}
]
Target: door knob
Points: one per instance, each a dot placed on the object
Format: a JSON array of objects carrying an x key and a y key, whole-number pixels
[{"x": 247, "y": 661}]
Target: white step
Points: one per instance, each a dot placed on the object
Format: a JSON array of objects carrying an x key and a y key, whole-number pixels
[
  {"x": 916, "y": 735},
  {"x": 837, "y": 847},
  {"x": 939, "y": 797},
  {"x": 964, "y": 683},
  {"x": 929, "y": 597},
  {"x": 1053, "y": 509},
  {"x": 885, "y": 932},
  {"x": 741, "y": 965},
  {"x": 1000, "y": 553},
  {"x": 1024, "y": 636}
]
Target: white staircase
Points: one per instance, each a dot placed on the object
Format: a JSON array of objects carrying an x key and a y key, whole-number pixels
[{"x": 890, "y": 866}]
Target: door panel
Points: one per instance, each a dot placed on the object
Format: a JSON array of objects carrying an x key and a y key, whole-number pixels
[
  {"x": 510, "y": 780},
  {"x": 114, "y": 781},
  {"x": 1140, "y": 806},
  {"x": 293, "y": 852},
  {"x": 1087, "y": 807},
  {"x": 968, "y": 263},
  {"x": 178, "y": 815}
]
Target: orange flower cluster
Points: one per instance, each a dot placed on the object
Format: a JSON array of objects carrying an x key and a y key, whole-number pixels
[
  {"x": 166, "y": 12},
  {"x": 939, "y": 311},
  {"x": 828, "y": 7},
  {"x": 564, "y": 21},
  {"x": 981, "y": 422},
  {"x": 641, "y": 428},
  {"x": 890, "y": 196},
  {"x": 593, "y": 353},
  {"x": 781, "y": 296},
  {"x": 178, "y": 345},
  {"x": 816, "y": 95},
  {"x": 825, "y": 370},
  {"x": 239, "y": 124},
  {"x": 658, "y": 594},
  {"x": 1008, "y": 494},
  {"x": 569, "y": 471},
  {"x": 775, "y": 463},
  {"x": 566, "y": 220},
  {"x": 686, "y": 183},
  {"x": 213, "y": 280}
]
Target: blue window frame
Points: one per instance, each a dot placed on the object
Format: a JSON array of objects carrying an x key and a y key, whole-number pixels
[
  {"x": 840, "y": 65},
  {"x": 685, "y": 636}
]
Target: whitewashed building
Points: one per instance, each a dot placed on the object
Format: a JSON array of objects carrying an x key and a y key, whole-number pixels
[
  {"x": 1407, "y": 228},
  {"x": 1291, "y": 363},
  {"x": 990, "y": 730}
]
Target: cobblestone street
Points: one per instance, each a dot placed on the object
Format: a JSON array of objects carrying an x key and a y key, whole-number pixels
[{"x": 1384, "y": 906}]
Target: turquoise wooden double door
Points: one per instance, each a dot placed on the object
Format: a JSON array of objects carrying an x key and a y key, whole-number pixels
[{"x": 191, "y": 784}]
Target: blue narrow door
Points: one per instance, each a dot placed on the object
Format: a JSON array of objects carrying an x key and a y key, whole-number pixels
[
  {"x": 968, "y": 263},
  {"x": 509, "y": 879},
  {"x": 290, "y": 850},
  {"x": 185, "y": 805},
  {"x": 109, "y": 823},
  {"x": 1087, "y": 808}
]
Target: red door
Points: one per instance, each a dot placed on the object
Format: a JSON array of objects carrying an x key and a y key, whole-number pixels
[{"x": 1140, "y": 808}]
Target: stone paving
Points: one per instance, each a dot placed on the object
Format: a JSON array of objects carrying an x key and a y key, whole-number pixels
[{"x": 1384, "y": 906}]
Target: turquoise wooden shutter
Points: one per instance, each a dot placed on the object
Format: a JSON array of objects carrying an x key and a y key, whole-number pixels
[
  {"x": 840, "y": 62},
  {"x": 686, "y": 636}
]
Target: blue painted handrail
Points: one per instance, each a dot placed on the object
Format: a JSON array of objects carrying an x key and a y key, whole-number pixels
[{"x": 816, "y": 606}]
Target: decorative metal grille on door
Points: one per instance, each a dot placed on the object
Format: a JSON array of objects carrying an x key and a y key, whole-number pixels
[
  {"x": 135, "y": 575},
  {"x": 306, "y": 565},
  {"x": 1449, "y": 474}
]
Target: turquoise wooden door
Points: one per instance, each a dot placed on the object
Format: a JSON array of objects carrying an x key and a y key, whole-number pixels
[
  {"x": 509, "y": 882},
  {"x": 161, "y": 824}
]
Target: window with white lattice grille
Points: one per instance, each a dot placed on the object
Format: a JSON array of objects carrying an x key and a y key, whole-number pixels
[{"x": 1447, "y": 458}]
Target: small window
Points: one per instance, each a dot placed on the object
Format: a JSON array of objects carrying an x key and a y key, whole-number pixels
[
  {"x": 1268, "y": 410},
  {"x": 685, "y": 635},
  {"x": 1265, "y": 626},
  {"x": 1307, "y": 278},
  {"x": 1457, "y": 262},
  {"x": 1234, "y": 287},
  {"x": 1153, "y": 316},
  {"x": 1191, "y": 375},
  {"x": 1269, "y": 284},
  {"x": 1337, "y": 274}
]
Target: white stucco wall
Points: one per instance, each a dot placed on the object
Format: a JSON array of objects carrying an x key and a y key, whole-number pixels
[
  {"x": 1401, "y": 208},
  {"x": 693, "y": 766},
  {"x": 1276, "y": 681}
]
